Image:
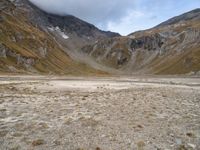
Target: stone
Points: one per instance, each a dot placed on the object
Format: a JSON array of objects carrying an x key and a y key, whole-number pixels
[
  {"x": 43, "y": 52},
  {"x": 191, "y": 145},
  {"x": 19, "y": 36},
  {"x": 140, "y": 145},
  {"x": 12, "y": 69},
  {"x": 1, "y": 19},
  {"x": 3, "y": 133},
  {"x": 38, "y": 142},
  {"x": 2, "y": 51}
]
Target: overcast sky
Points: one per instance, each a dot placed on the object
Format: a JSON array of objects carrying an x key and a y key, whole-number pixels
[{"x": 123, "y": 16}]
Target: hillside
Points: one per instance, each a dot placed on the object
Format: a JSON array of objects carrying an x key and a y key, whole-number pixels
[
  {"x": 34, "y": 41},
  {"x": 27, "y": 45},
  {"x": 173, "y": 47}
]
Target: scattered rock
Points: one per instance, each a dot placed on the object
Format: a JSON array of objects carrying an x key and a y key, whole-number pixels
[
  {"x": 89, "y": 122},
  {"x": 19, "y": 36},
  {"x": 2, "y": 51},
  {"x": 178, "y": 141},
  {"x": 68, "y": 121},
  {"x": 3, "y": 133},
  {"x": 182, "y": 147},
  {"x": 80, "y": 149},
  {"x": 17, "y": 134},
  {"x": 12, "y": 69},
  {"x": 2, "y": 110},
  {"x": 2, "y": 101},
  {"x": 140, "y": 126},
  {"x": 141, "y": 145},
  {"x": 13, "y": 39},
  {"x": 15, "y": 148},
  {"x": 1, "y": 19},
  {"x": 38, "y": 142},
  {"x": 57, "y": 142},
  {"x": 189, "y": 134},
  {"x": 43, "y": 52},
  {"x": 43, "y": 125},
  {"x": 191, "y": 145}
]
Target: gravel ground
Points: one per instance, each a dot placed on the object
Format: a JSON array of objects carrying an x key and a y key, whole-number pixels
[{"x": 58, "y": 113}]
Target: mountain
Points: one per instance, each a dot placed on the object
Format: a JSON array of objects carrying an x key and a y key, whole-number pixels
[
  {"x": 77, "y": 31},
  {"x": 33, "y": 41},
  {"x": 193, "y": 15},
  {"x": 173, "y": 47}
]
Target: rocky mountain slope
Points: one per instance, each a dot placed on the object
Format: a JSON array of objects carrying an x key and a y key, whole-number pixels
[
  {"x": 76, "y": 32},
  {"x": 31, "y": 40},
  {"x": 34, "y": 41},
  {"x": 172, "y": 47}
]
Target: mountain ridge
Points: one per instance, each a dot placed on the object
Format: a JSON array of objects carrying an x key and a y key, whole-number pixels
[
  {"x": 33, "y": 41},
  {"x": 27, "y": 48},
  {"x": 193, "y": 14},
  {"x": 173, "y": 47}
]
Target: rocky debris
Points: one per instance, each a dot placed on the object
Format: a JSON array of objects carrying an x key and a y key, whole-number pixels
[
  {"x": 153, "y": 42},
  {"x": 2, "y": 51},
  {"x": 68, "y": 24},
  {"x": 38, "y": 142},
  {"x": 27, "y": 62},
  {"x": 20, "y": 60},
  {"x": 43, "y": 52},
  {"x": 19, "y": 37},
  {"x": 191, "y": 36},
  {"x": 1, "y": 19},
  {"x": 42, "y": 113},
  {"x": 151, "y": 50},
  {"x": 12, "y": 69},
  {"x": 198, "y": 73},
  {"x": 6, "y": 5},
  {"x": 13, "y": 39}
]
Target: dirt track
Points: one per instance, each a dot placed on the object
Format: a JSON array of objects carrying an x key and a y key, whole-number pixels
[{"x": 143, "y": 113}]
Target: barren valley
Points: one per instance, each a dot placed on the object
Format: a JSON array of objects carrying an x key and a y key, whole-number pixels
[{"x": 108, "y": 113}]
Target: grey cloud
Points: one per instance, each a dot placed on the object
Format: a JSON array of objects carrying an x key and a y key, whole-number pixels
[{"x": 98, "y": 12}]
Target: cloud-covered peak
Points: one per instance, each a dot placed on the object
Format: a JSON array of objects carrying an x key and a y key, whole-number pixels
[{"x": 124, "y": 16}]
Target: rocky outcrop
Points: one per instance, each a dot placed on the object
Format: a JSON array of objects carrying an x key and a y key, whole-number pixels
[
  {"x": 2, "y": 51},
  {"x": 43, "y": 52},
  {"x": 193, "y": 15},
  {"x": 29, "y": 47},
  {"x": 170, "y": 48},
  {"x": 32, "y": 38},
  {"x": 68, "y": 23},
  {"x": 20, "y": 60},
  {"x": 152, "y": 42}
]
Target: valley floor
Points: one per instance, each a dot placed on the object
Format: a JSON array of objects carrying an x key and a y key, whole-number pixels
[{"x": 59, "y": 113}]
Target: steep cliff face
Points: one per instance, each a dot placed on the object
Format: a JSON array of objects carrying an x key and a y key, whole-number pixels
[
  {"x": 27, "y": 48},
  {"x": 172, "y": 47}
]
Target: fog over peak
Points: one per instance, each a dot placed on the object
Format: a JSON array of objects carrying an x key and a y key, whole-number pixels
[{"x": 120, "y": 16}]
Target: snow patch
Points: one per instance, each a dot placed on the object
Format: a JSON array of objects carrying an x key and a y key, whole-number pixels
[{"x": 58, "y": 30}]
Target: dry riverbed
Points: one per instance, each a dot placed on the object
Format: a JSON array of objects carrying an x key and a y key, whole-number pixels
[{"x": 58, "y": 113}]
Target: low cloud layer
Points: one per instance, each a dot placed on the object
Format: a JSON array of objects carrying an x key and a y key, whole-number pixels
[
  {"x": 94, "y": 11},
  {"x": 123, "y": 16}
]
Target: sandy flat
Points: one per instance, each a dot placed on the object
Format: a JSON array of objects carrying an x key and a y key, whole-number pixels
[{"x": 84, "y": 113}]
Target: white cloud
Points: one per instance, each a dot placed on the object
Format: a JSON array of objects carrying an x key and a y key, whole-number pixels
[
  {"x": 93, "y": 11},
  {"x": 128, "y": 23},
  {"x": 123, "y": 16}
]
